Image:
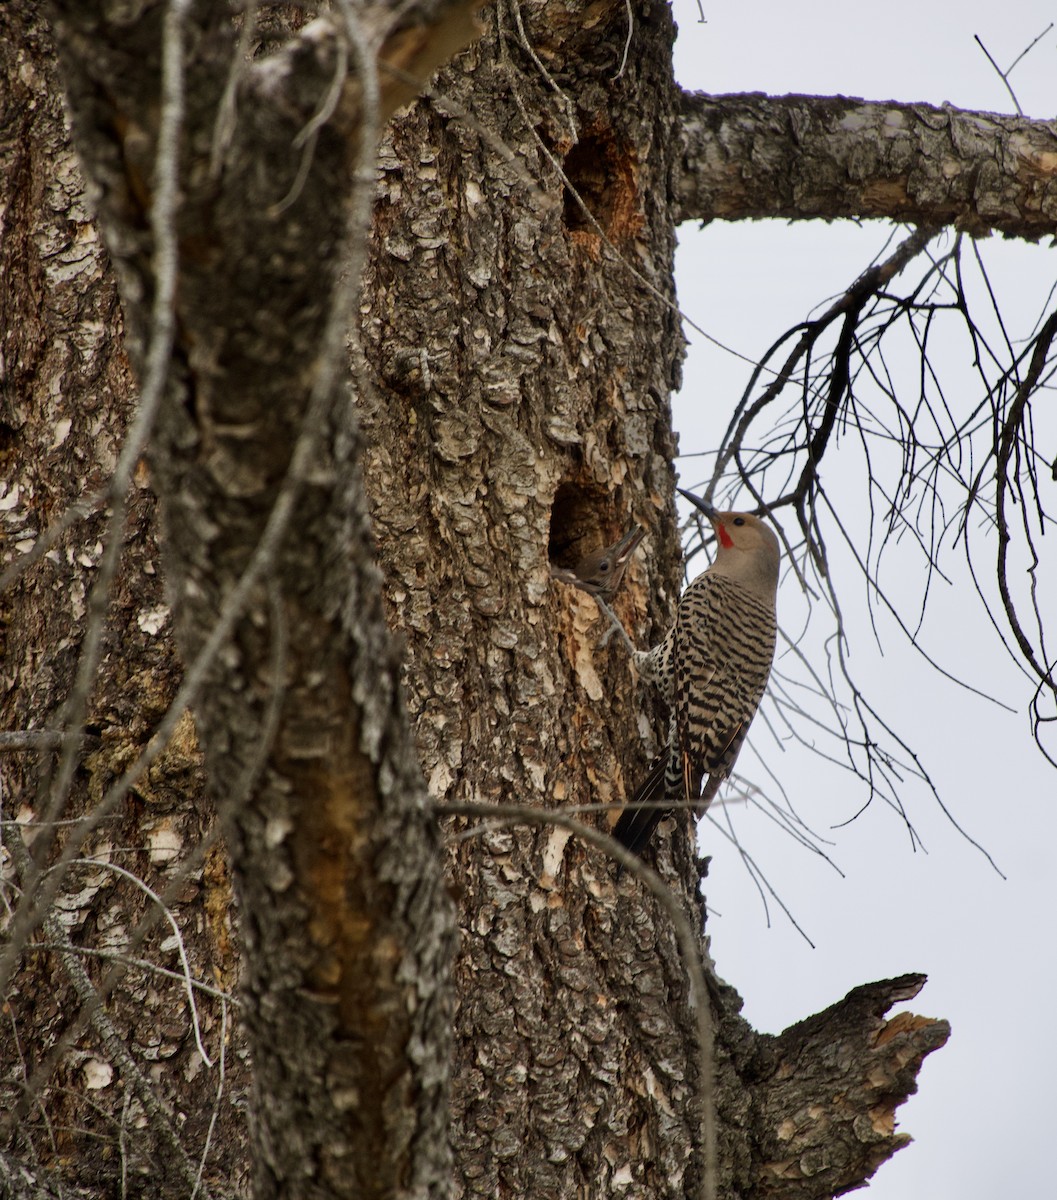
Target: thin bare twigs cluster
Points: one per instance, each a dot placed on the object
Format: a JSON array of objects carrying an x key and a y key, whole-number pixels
[
  {"x": 940, "y": 463},
  {"x": 1017, "y": 494},
  {"x": 1004, "y": 75},
  {"x": 113, "y": 1045}
]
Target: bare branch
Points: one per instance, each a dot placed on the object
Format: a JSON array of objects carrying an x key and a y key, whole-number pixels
[
  {"x": 1004, "y": 75},
  {"x": 834, "y": 157},
  {"x": 925, "y": 477}
]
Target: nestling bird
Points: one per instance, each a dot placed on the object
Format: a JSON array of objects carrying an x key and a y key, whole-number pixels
[
  {"x": 600, "y": 572},
  {"x": 712, "y": 669}
]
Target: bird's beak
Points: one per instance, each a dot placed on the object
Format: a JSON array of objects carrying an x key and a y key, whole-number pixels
[
  {"x": 703, "y": 505},
  {"x": 625, "y": 548}
]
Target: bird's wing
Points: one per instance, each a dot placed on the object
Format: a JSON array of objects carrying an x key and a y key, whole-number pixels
[{"x": 720, "y": 670}]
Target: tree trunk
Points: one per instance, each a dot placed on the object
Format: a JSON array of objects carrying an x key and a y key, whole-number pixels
[
  {"x": 519, "y": 346},
  {"x": 517, "y": 417},
  {"x": 66, "y": 402}
]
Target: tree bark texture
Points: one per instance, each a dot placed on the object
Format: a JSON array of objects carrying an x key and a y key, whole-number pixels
[
  {"x": 345, "y": 929},
  {"x": 519, "y": 417},
  {"x": 519, "y": 349},
  {"x": 67, "y": 393},
  {"x": 804, "y": 157}
]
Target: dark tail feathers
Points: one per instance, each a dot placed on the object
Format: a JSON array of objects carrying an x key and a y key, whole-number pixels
[{"x": 635, "y": 826}]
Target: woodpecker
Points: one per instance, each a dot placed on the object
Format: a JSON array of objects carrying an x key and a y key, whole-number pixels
[
  {"x": 711, "y": 669},
  {"x": 600, "y": 572}
]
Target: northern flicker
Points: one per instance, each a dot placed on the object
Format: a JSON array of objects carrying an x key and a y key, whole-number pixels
[
  {"x": 711, "y": 669},
  {"x": 600, "y": 572}
]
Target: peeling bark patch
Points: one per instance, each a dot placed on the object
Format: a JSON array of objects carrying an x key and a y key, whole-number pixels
[
  {"x": 887, "y": 193},
  {"x": 553, "y": 853},
  {"x": 419, "y": 50},
  {"x": 583, "y": 649},
  {"x": 604, "y": 175},
  {"x": 901, "y": 1024}
]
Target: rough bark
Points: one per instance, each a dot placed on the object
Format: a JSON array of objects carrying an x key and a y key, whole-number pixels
[
  {"x": 345, "y": 928},
  {"x": 531, "y": 371},
  {"x": 828, "y": 1088},
  {"x": 519, "y": 355},
  {"x": 65, "y": 400},
  {"x": 831, "y": 157}
]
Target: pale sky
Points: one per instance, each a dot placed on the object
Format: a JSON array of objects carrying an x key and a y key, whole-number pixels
[{"x": 982, "y": 1120}]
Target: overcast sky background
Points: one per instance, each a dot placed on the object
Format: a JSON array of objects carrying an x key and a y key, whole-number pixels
[{"x": 982, "y": 1122}]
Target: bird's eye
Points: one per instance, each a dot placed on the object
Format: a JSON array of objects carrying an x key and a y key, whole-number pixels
[
  {"x": 739, "y": 520},
  {"x": 604, "y": 565}
]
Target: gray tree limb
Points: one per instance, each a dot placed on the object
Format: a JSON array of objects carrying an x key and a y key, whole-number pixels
[{"x": 803, "y": 157}]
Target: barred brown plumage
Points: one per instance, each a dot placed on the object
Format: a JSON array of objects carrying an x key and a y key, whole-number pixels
[{"x": 712, "y": 669}]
